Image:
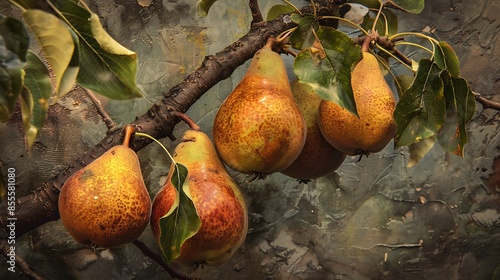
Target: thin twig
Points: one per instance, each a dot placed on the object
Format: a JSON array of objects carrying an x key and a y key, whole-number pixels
[
  {"x": 157, "y": 258},
  {"x": 486, "y": 102},
  {"x": 25, "y": 268},
  {"x": 401, "y": 56},
  {"x": 391, "y": 246},
  {"x": 387, "y": 44},
  {"x": 256, "y": 13},
  {"x": 110, "y": 124}
]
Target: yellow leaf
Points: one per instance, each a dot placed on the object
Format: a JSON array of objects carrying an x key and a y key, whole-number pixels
[{"x": 106, "y": 42}]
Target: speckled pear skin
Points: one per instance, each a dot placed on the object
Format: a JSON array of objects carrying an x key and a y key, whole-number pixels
[
  {"x": 375, "y": 103},
  {"x": 106, "y": 203},
  {"x": 258, "y": 128},
  {"x": 218, "y": 201},
  {"x": 318, "y": 158}
]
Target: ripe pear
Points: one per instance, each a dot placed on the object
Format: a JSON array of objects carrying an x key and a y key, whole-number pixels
[
  {"x": 106, "y": 203},
  {"x": 258, "y": 128},
  {"x": 375, "y": 103},
  {"x": 219, "y": 203},
  {"x": 318, "y": 158}
]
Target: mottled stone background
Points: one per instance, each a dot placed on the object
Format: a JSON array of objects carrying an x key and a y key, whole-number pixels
[{"x": 365, "y": 221}]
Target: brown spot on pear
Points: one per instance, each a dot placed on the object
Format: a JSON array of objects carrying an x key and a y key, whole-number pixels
[
  {"x": 375, "y": 103},
  {"x": 106, "y": 203},
  {"x": 218, "y": 201},
  {"x": 318, "y": 158},
  {"x": 258, "y": 128}
]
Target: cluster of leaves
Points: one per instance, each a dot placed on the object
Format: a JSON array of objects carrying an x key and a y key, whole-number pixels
[
  {"x": 435, "y": 103},
  {"x": 75, "y": 49}
]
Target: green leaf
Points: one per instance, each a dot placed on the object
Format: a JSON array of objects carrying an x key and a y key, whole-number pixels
[
  {"x": 26, "y": 102},
  {"x": 14, "y": 42},
  {"x": 420, "y": 112},
  {"x": 303, "y": 37},
  {"x": 203, "y": 6},
  {"x": 387, "y": 23},
  {"x": 295, "y": 17},
  {"x": 328, "y": 68},
  {"x": 411, "y": 6},
  {"x": 460, "y": 107},
  {"x": 70, "y": 76},
  {"x": 31, "y": 4},
  {"x": 57, "y": 43},
  {"x": 38, "y": 89},
  {"x": 420, "y": 149},
  {"x": 403, "y": 83},
  {"x": 182, "y": 221},
  {"x": 15, "y": 36},
  {"x": 446, "y": 59},
  {"x": 106, "y": 67},
  {"x": 278, "y": 10}
]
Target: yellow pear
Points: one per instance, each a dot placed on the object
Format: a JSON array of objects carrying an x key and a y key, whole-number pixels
[
  {"x": 258, "y": 128},
  {"x": 375, "y": 103},
  {"x": 219, "y": 203},
  {"x": 106, "y": 203},
  {"x": 318, "y": 158}
]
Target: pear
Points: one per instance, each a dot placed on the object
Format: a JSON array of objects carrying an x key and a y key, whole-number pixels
[
  {"x": 219, "y": 203},
  {"x": 106, "y": 203},
  {"x": 318, "y": 158},
  {"x": 258, "y": 128},
  {"x": 375, "y": 103}
]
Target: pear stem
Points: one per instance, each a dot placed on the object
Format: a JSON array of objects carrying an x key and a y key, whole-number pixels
[
  {"x": 128, "y": 130},
  {"x": 176, "y": 166},
  {"x": 140, "y": 134},
  {"x": 377, "y": 17},
  {"x": 192, "y": 124},
  {"x": 270, "y": 43},
  {"x": 366, "y": 43}
]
